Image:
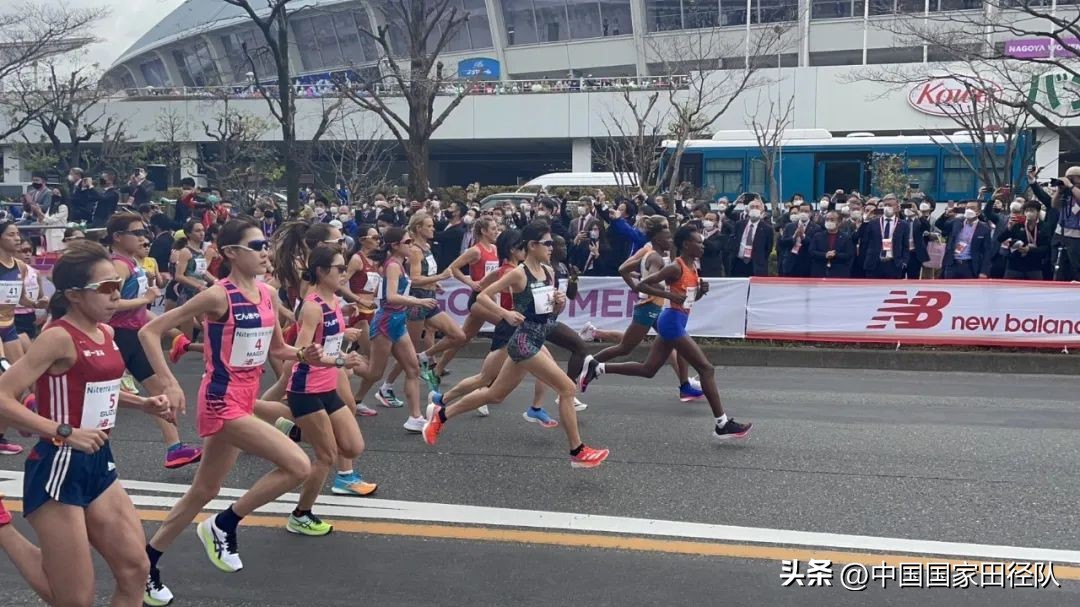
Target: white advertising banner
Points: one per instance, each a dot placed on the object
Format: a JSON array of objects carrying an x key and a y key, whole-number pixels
[
  {"x": 971, "y": 312},
  {"x": 608, "y": 304}
]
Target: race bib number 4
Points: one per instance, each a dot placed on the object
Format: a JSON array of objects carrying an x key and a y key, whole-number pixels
[
  {"x": 250, "y": 347},
  {"x": 100, "y": 402},
  {"x": 10, "y": 292}
]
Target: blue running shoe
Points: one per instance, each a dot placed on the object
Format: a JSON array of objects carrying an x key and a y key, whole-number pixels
[
  {"x": 435, "y": 397},
  {"x": 352, "y": 484},
  {"x": 689, "y": 393},
  {"x": 539, "y": 416}
]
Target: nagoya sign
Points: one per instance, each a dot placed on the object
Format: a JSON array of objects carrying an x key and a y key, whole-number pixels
[{"x": 948, "y": 96}]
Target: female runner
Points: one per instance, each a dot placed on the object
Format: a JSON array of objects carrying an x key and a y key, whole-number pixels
[
  {"x": 125, "y": 233},
  {"x": 684, "y": 288},
  {"x": 12, "y": 276},
  {"x": 363, "y": 277},
  {"x": 388, "y": 330},
  {"x": 241, "y": 332},
  {"x": 536, "y": 302},
  {"x": 325, "y": 422},
  {"x": 71, "y": 498}
]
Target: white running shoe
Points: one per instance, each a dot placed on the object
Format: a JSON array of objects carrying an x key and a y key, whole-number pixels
[
  {"x": 221, "y": 547},
  {"x": 156, "y": 593},
  {"x": 483, "y": 411},
  {"x": 578, "y": 405},
  {"x": 415, "y": 424},
  {"x": 588, "y": 332}
]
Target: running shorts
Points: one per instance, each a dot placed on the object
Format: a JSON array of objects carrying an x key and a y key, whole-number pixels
[
  {"x": 171, "y": 293},
  {"x": 389, "y": 324},
  {"x": 237, "y": 401},
  {"x": 646, "y": 314},
  {"x": 501, "y": 336},
  {"x": 528, "y": 339},
  {"x": 65, "y": 475},
  {"x": 302, "y": 404},
  {"x": 9, "y": 334},
  {"x": 420, "y": 313},
  {"x": 24, "y": 323},
  {"x": 127, "y": 341},
  {"x": 671, "y": 324}
]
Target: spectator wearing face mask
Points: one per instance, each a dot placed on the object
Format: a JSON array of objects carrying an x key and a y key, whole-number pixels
[
  {"x": 81, "y": 207},
  {"x": 915, "y": 246},
  {"x": 755, "y": 243},
  {"x": 885, "y": 241},
  {"x": 1029, "y": 243},
  {"x": 39, "y": 195},
  {"x": 831, "y": 250},
  {"x": 139, "y": 189},
  {"x": 795, "y": 242},
  {"x": 547, "y": 209},
  {"x": 716, "y": 244},
  {"x": 106, "y": 199},
  {"x": 970, "y": 246}
]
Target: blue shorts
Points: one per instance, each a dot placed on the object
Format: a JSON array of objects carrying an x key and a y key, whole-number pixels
[
  {"x": 65, "y": 475},
  {"x": 9, "y": 334},
  {"x": 646, "y": 314},
  {"x": 671, "y": 324},
  {"x": 389, "y": 324}
]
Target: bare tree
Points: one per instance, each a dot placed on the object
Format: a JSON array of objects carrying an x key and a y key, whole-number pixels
[
  {"x": 705, "y": 91},
  {"x": 426, "y": 27},
  {"x": 32, "y": 33},
  {"x": 357, "y": 154},
  {"x": 769, "y": 134},
  {"x": 631, "y": 144},
  {"x": 239, "y": 161}
]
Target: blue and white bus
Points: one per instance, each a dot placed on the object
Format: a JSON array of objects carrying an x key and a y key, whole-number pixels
[{"x": 813, "y": 162}]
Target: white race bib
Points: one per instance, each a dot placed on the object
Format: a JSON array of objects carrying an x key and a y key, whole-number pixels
[
  {"x": 691, "y": 297},
  {"x": 10, "y": 292},
  {"x": 32, "y": 290},
  {"x": 99, "y": 404},
  {"x": 490, "y": 266},
  {"x": 543, "y": 298},
  {"x": 332, "y": 344},
  {"x": 144, "y": 283},
  {"x": 432, "y": 267},
  {"x": 372, "y": 284},
  {"x": 250, "y": 347},
  {"x": 200, "y": 266}
]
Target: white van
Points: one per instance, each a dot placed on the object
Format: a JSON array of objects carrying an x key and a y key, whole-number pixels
[{"x": 580, "y": 181}]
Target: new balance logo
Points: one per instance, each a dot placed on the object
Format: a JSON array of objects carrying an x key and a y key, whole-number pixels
[{"x": 922, "y": 311}]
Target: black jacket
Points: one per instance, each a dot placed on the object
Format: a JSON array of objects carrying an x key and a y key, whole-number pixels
[
  {"x": 1033, "y": 261},
  {"x": 105, "y": 203},
  {"x": 840, "y": 266},
  {"x": 982, "y": 246},
  {"x": 761, "y": 248},
  {"x": 871, "y": 243}
]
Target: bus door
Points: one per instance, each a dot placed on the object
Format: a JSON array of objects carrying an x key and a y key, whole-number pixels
[{"x": 840, "y": 174}]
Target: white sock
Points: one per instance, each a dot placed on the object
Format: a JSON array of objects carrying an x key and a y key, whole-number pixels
[
  {"x": 345, "y": 472},
  {"x": 599, "y": 368},
  {"x": 423, "y": 358},
  {"x": 720, "y": 421}
]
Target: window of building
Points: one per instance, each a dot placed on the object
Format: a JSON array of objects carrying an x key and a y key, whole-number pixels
[
  {"x": 348, "y": 37},
  {"x": 699, "y": 14},
  {"x": 196, "y": 65},
  {"x": 957, "y": 176},
  {"x": 126, "y": 80},
  {"x": 773, "y": 11},
  {"x": 836, "y": 9},
  {"x": 479, "y": 26},
  {"x": 732, "y": 14},
  {"x": 724, "y": 174},
  {"x": 371, "y": 51},
  {"x": 921, "y": 170},
  {"x": 551, "y": 20},
  {"x": 520, "y": 22},
  {"x": 663, "y": 15},
  {"x": 154, "y": 73},
  {"x": 326, "y": 38},
  {"x": 307, "y": 44},
  {"x": 234, "y": 44},
  {"x": 615, "y": 15},
  {"x": 584, "y": 19},
  {"x": 757, "y": 178}
]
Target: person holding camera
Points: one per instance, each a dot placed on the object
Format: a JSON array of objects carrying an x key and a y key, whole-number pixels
[
  {"x": 1028, "y": 241},
  {"x": 106, "y": 199},
  {"x": 81, "y": 200},
  {"x": 970, "y": 246},
  {"x": 139, "y": 189},
  {"x": 1066, "y": 200}
]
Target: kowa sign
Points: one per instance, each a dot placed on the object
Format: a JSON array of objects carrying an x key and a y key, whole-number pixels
[{"x": 949, "y": 96}]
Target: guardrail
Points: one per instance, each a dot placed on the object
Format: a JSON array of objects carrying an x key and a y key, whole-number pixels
[{"x": 505, "y": 87}]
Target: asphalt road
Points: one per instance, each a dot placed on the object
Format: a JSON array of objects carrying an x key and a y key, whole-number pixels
[{"x": 948, "y": 457}]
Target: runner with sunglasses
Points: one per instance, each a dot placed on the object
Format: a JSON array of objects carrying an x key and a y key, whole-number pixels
[
  {"x": 71, "y": 498},
  {"x": 191, "y": 276},
  {"x": 537, "y": 302},
  {"x": 241, "y": 332},
  {"x": 364, "y": 279},
  {"x": 12, "y": 294},
  {"x": 26, "y": 319},
  {"x": 124, "y": 234},
  {"x": 684, "y": 288},
  {"x": 389, "y": 334}
]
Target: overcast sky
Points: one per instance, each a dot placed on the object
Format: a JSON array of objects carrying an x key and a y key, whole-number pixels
[{"x": 128, "y": 20}]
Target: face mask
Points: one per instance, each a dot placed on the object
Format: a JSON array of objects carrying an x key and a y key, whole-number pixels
[
  {"x": 1016, "y": 207},
  {"x": 723, "y": 208},
  {"x": 909, "y": 212},
  {"x": 830, "y": 225},
  {"x": 823, "y": 205},
  {"x": 37, "y": 186},
  {"x": 583, "y": 210},
  {"x": 889, "y": 212},
  {"x": 970, "y": 214},
  {"x": 708, "y": 225},
  {"x": 594, "y": 234},
  {"x": 343, "y": 218},
  {"x": 526, "y": 208},
  {"x": 1031, "y": 215},
  {"x": 467, "y": 220},
  {"x": 924, "y": 207},
  {"x": 856, "y": 215},
  {"x": 542, "y": 213},
  {"x": 71, "y": 179},
  {"x": 755, "y": 215},
  {"x": 804, "y": 217}
]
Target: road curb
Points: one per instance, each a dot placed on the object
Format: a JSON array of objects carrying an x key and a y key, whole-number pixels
[{"x": 1054, "y": 363}]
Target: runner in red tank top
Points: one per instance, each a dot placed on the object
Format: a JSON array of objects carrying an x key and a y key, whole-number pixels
[{"x": 69, "y": 482}]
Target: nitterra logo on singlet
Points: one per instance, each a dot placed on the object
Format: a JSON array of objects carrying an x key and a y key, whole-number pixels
[{"x": 922, "y": 311}]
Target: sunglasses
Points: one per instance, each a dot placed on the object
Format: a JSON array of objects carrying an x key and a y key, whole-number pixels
[
  {"x": 547, "y": 243},
  {"x": 335, "y": 241},
  {"x": 255, "y": 246},
  {"x": 71, "y": 238},
  {"x": 139, "y": 233},
  {"x": 104, "y": 287}
]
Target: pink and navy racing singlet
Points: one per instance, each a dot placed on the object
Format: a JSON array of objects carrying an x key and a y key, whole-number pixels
[
  {"x": 329, "y": 333},
  {"x": 87, "y": 394},
  {"x": 236, "y": 349}
]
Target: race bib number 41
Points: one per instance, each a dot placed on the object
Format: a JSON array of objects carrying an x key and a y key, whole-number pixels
[{"x": 10, "y": 292}]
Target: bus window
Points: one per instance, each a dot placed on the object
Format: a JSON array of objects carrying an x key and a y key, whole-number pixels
[
  {"x": 725, "y": 175},
  {"x": 921, "y": 171},
  {"x": 957, "y": 177}
]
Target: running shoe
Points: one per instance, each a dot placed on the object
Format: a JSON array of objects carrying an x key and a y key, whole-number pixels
[
  {"x": 589, "y": 373},
  {"x": 732, "y": 431},
  {"x": 9, "y": 448},
  {"x": 588, "y": 457},
  {"x": 5, "y": 516},
  {"x": 689, "y": 393},
  {"x": 694, "y": 382},
  {"x": 222, "y": 548},
  {"x": 414, "y": 424},
  {"x": 428, "y": 374},
  {"x": 483, "y": 411},
  {"x": 539, "y": 416},
  {"x": 365, "y": 411},
  {"x": 588, "y": 333},
  {"x": 352, "y": 484},
  {"x": 433, "y": 426},
  {"x": 386, "y": 398},
  {"x": 578, "y": 405},
  {"x": 156, "y": 593},
  {"x": 127, "y": 384},
  {"x": 288, "y": 428},
  {"x": 182, "y": 456},
  {"x": 179, "y": 348},
  {"x": 309, "y": 525}
]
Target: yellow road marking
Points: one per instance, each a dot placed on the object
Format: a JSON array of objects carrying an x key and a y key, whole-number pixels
[{"x": 598, "y": 541}]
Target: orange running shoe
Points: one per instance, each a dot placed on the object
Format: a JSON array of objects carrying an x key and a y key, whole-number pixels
[
  {"x": 179, "y": 347},
  {"x": 588, "y": 457},
  {"x": 433, "y": 425}
]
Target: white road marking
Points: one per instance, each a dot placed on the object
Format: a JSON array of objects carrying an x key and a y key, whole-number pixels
[{"x": 165, "y": 495}]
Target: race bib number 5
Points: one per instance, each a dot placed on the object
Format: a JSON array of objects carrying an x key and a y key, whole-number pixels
[{"x": 100, "y": 402}]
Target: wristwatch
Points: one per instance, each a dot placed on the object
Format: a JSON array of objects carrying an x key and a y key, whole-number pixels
[
  {"x": 63, "y": 431},
  {"x": 339, "y": 362}
]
